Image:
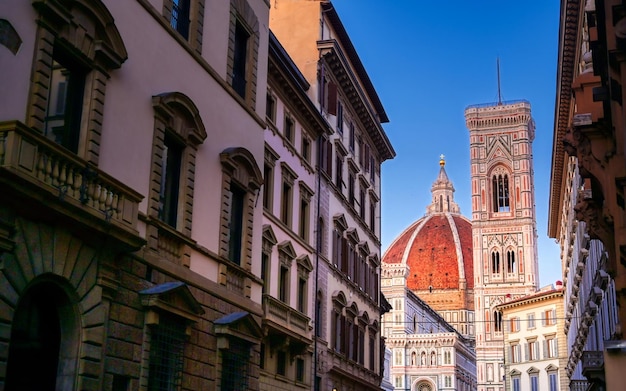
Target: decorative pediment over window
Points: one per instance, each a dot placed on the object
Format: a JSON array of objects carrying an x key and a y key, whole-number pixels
[
  {"x": 173, "y": 297},
  {"x": 87, "y": 25},
  {"x": 268, "y": 235},
  {"x": 305, "y": 263},
  {"x": 339, "y": 298},
  {"x": 374, "y": 259},
  {"x": 352, "y": 235},
  {"x": 515, "y": 372},
  {"x": 182, "y": 116},
  {"x": 340, "y": 221},
  {"x": 240, "y": 164},
  {"x": 286, "y": 248},
  {"x": 241, "y": 325},
  {"x": 552, "y": 368},
  {"x": 364, "y": 247},
  {"x": 353, "y": 309},
  {"x": 532, "y": 370}
]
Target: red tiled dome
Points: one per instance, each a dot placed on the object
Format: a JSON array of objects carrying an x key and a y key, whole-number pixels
[{"x": 438, "y": 250}]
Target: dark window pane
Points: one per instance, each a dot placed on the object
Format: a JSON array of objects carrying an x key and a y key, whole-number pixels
[
  {"x": 236, "y": 223},
  {"x": 239, "y": 59}
]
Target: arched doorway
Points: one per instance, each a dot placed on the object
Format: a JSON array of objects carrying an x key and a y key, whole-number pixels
[{"x": 44, "y": 340}]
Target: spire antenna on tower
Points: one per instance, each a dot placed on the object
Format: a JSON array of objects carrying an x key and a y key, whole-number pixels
[{"x": 499, "y": 94}]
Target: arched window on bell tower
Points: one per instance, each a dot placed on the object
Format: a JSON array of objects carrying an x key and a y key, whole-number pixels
[
  {"x": 497, "y": 321},
  {"x": 495, "y": 262},
  {"x": 510, "y": 261},
  {"x": 500, "y": 193}
]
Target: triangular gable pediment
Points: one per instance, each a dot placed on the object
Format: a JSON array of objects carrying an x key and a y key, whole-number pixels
[
  {"x": 286, "y": 248},
  {"x": 552, "y": 368},
  {"x": 515, "y": 372},
  {"x": 174, "y": 297},
  {"x": 240, "y": 325},
  {"x": 268, "y": 234},
  {"x": 364, "y": 246},
  {"x": 352, "y": 235},
  {"x": 305, "y": 262},
  {"x": 498, "y": 147},
  {"x": 340, "y": 221},
  {"x": 532, "y": 370},
  {"x": 374, "y": 259}
]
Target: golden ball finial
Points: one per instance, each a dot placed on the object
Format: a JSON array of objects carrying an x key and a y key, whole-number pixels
[{"x": 442, "y": 160}]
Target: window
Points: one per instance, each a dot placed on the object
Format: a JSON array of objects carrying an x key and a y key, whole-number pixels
[
  {"x": 372, "y": 352},
  {"x": 325, "y": 156},
  {"x": 533, "y": 350},
  {"x": 554, "y": 381},
  {"x": 240, "y": 58},
  {"x": 549, "y": 317},
  {"x": 243, "y": 44},
  {"x": 236, "y": 223},
  {"x": 339, "y": 117},
  {"x": 171, "y": 163},
  {"x": 448, "y": 381},
  {"x": 270, "y": 107},
  {"x": 497, "y": 321},
  {"x": 241, "y": 182},
  {"x": 352, "y": 137},
  {"x": 531, "y": 320},
  {"x": 301, "y": 295},
  {"x": 500, "y": 193},
  {"x": 67, "y": 106},
  {"x": 281, "y": 363},
  {"x": 186, "y": 18},
  {"x": 235, "y": 363},
  {"x": 516, "y": 353},
  {"x": 289, "y": 129},
  {"x": 318, "y": 315},
  {"x": 351, "y": 185},
  {"x": 339, "y": 172},
  {"x": 300, "y": 370},
  {"x": 286, "y": 202},
  {"x": 398, "y": 381},
  {"x": 362, "y": 202},
  {"x": 516, "y": 384},
  {"x": 306, "y": 149},
  {"x": 270, "y": 158},
  {"x": 304, "y": 216},
  {"x": 534, "y": 382},
  {"x": 550, "y": 347},
  {"x": 510, "y": 261},
  {"x": 64, "y": 108},
  {"x": 265, "y": 271},
  {"x": 373, "y": 205},
  {"x": 398, "y": 357},
  {"x": 268, "y": 192},
  {"x": 283, "y": 284},
  {"x": 178, "y": 132},
  {"x": 495, "y": 262},
  {"x": 515, "y": 324},
  {"x": 167, "y": 342},
  {"x": 180, "y": 17}
]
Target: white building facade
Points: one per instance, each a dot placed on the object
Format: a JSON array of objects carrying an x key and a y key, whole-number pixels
[
  {"x": 534, "y": 339},
  {"x": 427, "y": 353}
]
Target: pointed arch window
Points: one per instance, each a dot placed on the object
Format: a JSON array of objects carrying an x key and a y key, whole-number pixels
[
  {"x": 497, "y": 321},
  {"x": 510, "y": 261},
  {"x": 500, "y": 193},
  {"x": 495, "y": 262}
]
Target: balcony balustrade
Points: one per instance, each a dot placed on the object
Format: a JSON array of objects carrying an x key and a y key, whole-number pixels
[{"x": 38, "y": 169}]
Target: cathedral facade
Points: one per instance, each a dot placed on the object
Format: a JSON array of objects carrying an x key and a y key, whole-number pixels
[{"x": 503, "y": 224}]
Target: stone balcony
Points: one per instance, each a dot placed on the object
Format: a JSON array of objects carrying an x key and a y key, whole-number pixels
[
  {"x": 578, "y": 385},
  {"x": 57, "y": 183},
  {"x": 286, "y": 325},
  {"x": 593, "y": 365}
]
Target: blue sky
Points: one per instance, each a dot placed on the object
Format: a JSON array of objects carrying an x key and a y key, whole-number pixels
[{"x": 429, "y": 61}]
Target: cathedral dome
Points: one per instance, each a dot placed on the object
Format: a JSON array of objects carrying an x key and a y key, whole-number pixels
[{"x": 437, "y": 249}]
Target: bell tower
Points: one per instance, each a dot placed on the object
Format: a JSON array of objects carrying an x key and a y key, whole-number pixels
[{"x": 503, "y": 224}]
